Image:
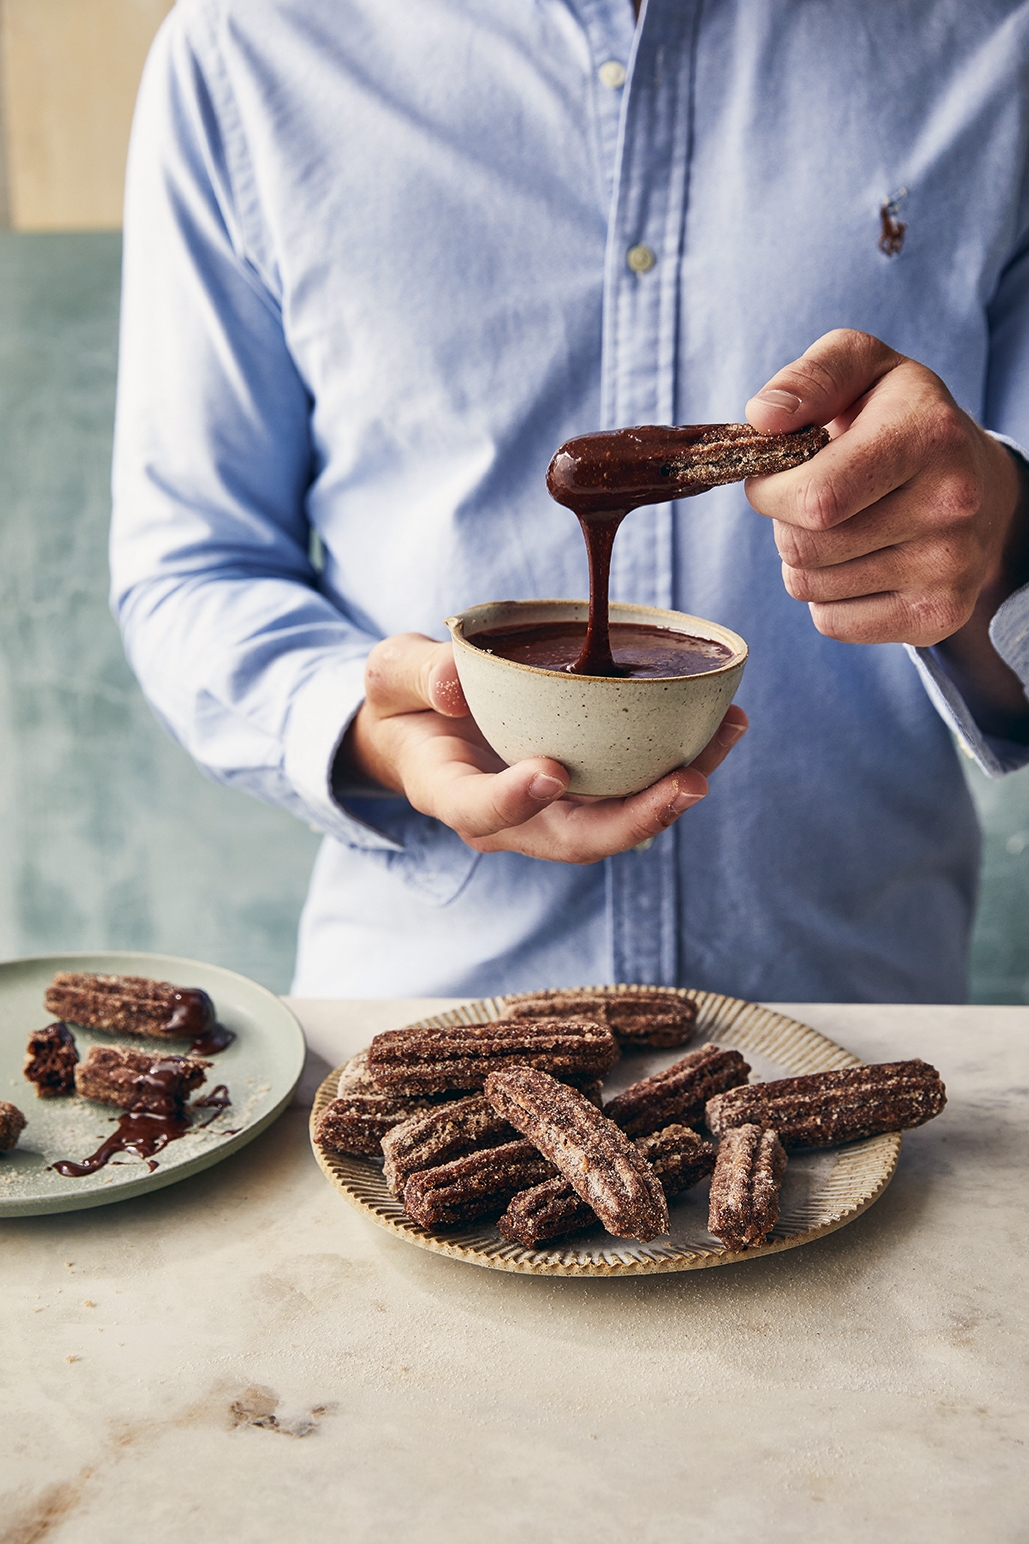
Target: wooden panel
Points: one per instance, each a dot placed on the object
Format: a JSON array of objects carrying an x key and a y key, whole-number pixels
[{"x": 71, "y": 70}]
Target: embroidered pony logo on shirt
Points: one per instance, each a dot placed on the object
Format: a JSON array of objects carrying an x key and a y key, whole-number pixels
[{"x": 892, "y": 227}]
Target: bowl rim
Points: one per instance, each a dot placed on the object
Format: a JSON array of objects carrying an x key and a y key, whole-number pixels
[{"x": 722, "y": 634}]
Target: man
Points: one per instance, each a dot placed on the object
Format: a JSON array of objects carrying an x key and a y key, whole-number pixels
[{"x": 380, "y": 261}]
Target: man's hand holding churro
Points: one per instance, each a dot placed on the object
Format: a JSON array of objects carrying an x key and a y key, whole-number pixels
[{"x": 911, "y": 526}]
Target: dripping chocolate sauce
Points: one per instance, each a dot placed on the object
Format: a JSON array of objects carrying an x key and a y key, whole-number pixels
[
  {"x": 145, "y": 1133},
  {"x": 600, "y": 478}
]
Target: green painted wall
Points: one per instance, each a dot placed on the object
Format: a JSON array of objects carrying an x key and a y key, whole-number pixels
[{"x": 111, "y": 838}]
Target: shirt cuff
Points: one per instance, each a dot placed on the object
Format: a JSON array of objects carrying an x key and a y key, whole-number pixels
[
  {"x": 994, "y": 756},
  {"x": 320, "y": 715},
  {"x": 1009, "y": 634}
]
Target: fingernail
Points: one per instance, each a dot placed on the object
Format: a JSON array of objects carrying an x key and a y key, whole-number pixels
[
  {"x": 448, "y": 698},
  {"x": 730, "y": 733},
  {"x": 682, "y": 801},
  {"x": 783, "y": 399},
  {"x": 543, "y": 787}
]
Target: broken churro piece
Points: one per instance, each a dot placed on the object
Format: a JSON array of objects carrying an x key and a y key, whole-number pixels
[
  {"x": 138, "y": 1080},
  {"x": 12, "y": 1124},
  {"x": 50, "y": 1061},
  {"x": 744, "y": 1205}
]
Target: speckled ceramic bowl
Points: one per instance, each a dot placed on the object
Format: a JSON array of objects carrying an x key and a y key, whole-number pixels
[{"x": 614, "y": 736}]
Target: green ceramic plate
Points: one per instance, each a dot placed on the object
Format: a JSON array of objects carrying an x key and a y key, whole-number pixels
[{"x": 261, "y": 1069}]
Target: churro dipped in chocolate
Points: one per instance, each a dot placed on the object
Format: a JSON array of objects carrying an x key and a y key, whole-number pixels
[
  {"x": 476, "y": 1186},
  {"x": 744, "y": 1204},
  {"x": 138, "y": 1080},
  {"x": 600, "y": 477},
  {"x": 616, "y": 470},
  {"x": 680, "y": 1093},
  {"x": 824, "y": 1108},
  {"x": 597, "y": 1158},
  {"x": 12, "y": 1124},
  {"x": 634, "y": 1018},
  {"x": 462, "y": 1056},
  {"x": 679, "y": 1157},
  {"x": 50, "y": 1061},
  {"x": 130, "y": 1005}
]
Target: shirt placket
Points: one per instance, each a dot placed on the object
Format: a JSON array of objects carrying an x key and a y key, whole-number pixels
[{"x": 640, "y": 331}]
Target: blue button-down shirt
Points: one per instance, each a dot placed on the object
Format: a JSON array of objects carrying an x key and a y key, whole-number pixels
[{"x": 376, "y": 269}]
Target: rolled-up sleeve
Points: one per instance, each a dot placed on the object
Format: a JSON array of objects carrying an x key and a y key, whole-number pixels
[{"x": 253, "y": 670}]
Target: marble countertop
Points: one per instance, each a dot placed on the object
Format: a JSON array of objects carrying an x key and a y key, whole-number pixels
[{"x": 242, "y": 1356}]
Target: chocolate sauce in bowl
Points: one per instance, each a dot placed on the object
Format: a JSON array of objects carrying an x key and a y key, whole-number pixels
[{"x": 638, "y": 650}]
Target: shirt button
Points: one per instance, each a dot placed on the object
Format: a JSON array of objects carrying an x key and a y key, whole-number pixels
[
  {"x": 612, "y": 74},
  {"x": 640, "y": 259}
]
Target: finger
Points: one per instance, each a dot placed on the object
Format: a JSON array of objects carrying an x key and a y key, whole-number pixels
[
  {"x": 408, "y": 673},
  {"x": 446, "y": 781},
  {"x": 446, "y": 694},
  {"x": 895, "y": 519},
  {"x": 924, "y": 565},
  {"x": 729, "y": 732},
  {"x": 823, "y": 383},
  {"x": 918, "y": 618},
  {"x": 569, "y": 832},
  {"x": 908, "y": 425}
]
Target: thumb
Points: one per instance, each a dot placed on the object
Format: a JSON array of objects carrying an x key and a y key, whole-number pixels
[
  {"x": 823, "y": 383},
  {"x": 408, "y": 673}
]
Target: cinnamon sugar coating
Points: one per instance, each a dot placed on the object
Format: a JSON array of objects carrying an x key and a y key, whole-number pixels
[
  {"x": 129, "y": 1005},
  {"x": 462, "y": 1056},
  {"x": 439, "y": 1135},
  {"x": 12, "y": 1124},
  {"x": 727, "y": 453},
  {"x": 680, "y": 1093},
  {"x": 824, "y": 1108},
  {"x": 635, "y": 1018},
  {"x": 354, "y": 1077},
  {"x": 679, "y": 1157},
  {"x": 592, "y": 1153},
  {"x": 357, "y": 1122},
  {"x": 50, "y": 1060},
  {"x": 744, "y": 1204},
  {"x": 138, "y": 1080},
  {"x": 473, "y": 1187}
]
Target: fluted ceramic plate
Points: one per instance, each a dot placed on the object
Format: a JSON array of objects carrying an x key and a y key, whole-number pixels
[
  {"x": 822, "y": 1190},
  {"x": 260, "y": 1069}
]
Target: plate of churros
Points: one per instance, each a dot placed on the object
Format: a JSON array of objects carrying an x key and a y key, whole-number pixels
[
  {"x": 121, "y": 1073},
  {"x": 611, "y": 1131}
]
